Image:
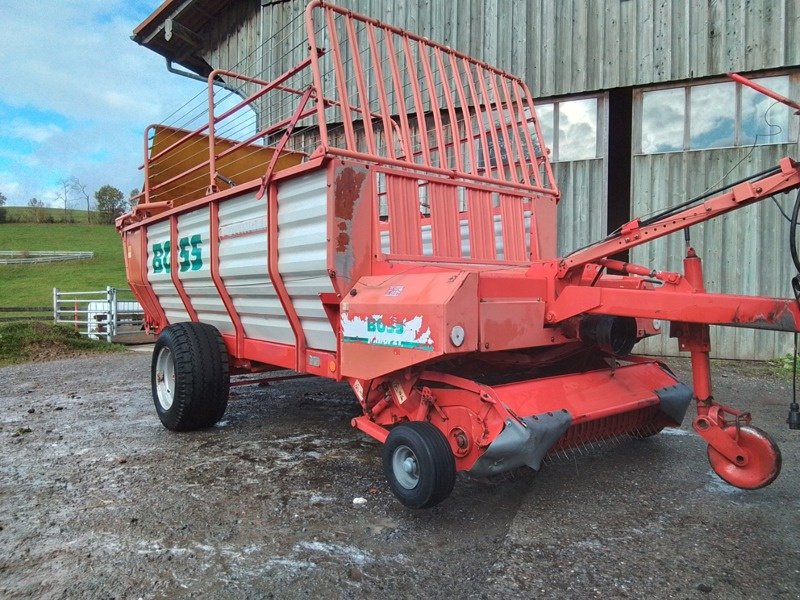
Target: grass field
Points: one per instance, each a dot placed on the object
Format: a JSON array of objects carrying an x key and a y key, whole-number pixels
[
  {"x": 22, "y": 342},
  {"x": 32, "y": 285}
]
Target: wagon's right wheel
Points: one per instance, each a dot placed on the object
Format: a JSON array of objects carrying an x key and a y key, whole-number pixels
[
  {"x": 189, "y": 376},
  {"x": 764, "y": 463},
  {"x": 419, "y": 464}
]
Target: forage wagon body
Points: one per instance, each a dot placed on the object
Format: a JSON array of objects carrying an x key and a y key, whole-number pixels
[{"x": 384, "y": 213}]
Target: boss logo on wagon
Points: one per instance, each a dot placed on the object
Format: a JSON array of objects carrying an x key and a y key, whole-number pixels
[{"x": 190, "y": 255}]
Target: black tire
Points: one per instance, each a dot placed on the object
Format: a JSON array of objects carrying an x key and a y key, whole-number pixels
[
  {"x": 198, "y": 358},
  {"x": 432, "y": 471}
]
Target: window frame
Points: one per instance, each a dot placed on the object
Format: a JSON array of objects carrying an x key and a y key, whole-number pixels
[
  {"x": 600, "y": 125},
  {"x": 793, "y": 76}
]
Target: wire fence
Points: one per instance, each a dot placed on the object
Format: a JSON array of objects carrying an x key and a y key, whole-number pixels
[{"x": 28, "y": 257}]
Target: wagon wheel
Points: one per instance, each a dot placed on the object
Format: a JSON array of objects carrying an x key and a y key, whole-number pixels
[
  {"x": 763, "y": 466},
  {"x": 189, "y": 374},
  {"x": 419, "y": 464}
]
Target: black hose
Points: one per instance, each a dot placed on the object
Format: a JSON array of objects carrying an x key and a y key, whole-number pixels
[
  {"x": 683, "y": 205},
  {"x": 674, "y": 209},
  {"x": 793, "y": 234}
]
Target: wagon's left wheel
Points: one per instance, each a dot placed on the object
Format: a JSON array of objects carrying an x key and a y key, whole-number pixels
[
  {"x": 189, "y": 374},
  {"x": 419, "y": 464},
  {"x": 764, "y": 460}
]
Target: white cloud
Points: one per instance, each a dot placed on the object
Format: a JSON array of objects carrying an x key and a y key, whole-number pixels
[
  {"x": 81, "y": 93},
  {"x": 25, "y": 130},
  {"x": 9, "y": 185}
]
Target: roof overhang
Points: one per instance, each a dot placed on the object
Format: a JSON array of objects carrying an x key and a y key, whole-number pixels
[{"x": 175, "y": 31}]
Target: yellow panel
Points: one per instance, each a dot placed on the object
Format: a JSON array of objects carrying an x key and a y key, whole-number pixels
[{"x": 242, "y": 165}]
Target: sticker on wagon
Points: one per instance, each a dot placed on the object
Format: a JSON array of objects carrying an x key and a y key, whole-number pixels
[{"x": 378, "y": 331}]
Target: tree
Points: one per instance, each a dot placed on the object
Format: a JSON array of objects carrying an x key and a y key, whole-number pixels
[
  {"x": 132, "y": 197},
  {"x": 63, "y": 193},
  {"x": 38, "y": 209},
  {"x": 110, "y": 203},
  {"x": 2, "y": 208},
  {"x": 80, "y": 190}
]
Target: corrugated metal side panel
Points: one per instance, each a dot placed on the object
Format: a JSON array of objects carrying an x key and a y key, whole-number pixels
[
  {"x": 160, "y": 279},
  {"x": 564, "y": 46},
  {"x": 743, "y": 252},
  {"x": 303, "y": 252},
  {"x": 243, "y": 268},
  {"x": 582, "y": 214},
  {"x": 195, "y": 269}
]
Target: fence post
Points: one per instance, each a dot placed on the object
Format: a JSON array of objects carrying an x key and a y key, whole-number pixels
[
  {"x": 56, "y": 293},
  {"x": 111, "y": 320}
]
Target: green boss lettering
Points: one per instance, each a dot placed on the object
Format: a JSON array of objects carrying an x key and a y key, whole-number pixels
[
  {"x": 190, "y": 255},
  {"x": 161, "y": 260},
  {"x": 381, "y": 327}
]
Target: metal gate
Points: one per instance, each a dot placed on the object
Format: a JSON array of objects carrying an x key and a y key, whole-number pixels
[{"x": 112, "y": 315}]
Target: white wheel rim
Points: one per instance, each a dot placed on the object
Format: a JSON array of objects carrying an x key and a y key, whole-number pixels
[
  {"x": 165, "y": 378},
  {"x": 405, "y": 467}
]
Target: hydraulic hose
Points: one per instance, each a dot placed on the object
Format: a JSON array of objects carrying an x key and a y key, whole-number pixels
[{"x": 793, "y": 236}]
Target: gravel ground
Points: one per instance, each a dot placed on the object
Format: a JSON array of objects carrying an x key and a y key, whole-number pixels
[{"x": 98, "y": 500}]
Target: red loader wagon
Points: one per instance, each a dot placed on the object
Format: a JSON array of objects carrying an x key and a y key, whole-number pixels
[{"x": 388, "y": 218}]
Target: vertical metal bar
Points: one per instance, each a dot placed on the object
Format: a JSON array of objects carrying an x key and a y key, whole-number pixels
[
  {"x": 469, "y": 135},
  {"x": 405, "y": 137},
  {"x": 448, "y": 98},
  {"x": 147, "y": 162},
  {"x": 481, "y": 225},
  {"x": 219, "y": 284},
  {"x": 445, "y": 225},
  {"x": 422, "y": 124},
  {"x": 277, "y": 279},
  {"x": 547, "y": 166},
  {"x": 175, "y": 267},
  {"x": 112, "y": 323},
  {"x": 434, "y": 100},
  {"x": 405, "y": 229},
  {"x": 315, "y": 53},
  {"x": 513, "y": 228},
  {"x": 212, "y": 157},
  {"x": 56, "y": 302},
  {"x": 525, "y": 122},
  {"x": 355, "y": 52},
  {"x": 382, "y": 99},
  {"x": 341, "y": 85},
  {"x": 161, "y": 315},
  {"x": 476, "y": 103},
  {"x": 492, "y": 130},
  {"x": 502, "y": 124},
  {"x": 519, "y": 154}
]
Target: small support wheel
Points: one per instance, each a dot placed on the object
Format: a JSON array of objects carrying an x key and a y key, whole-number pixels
[
  {"x": 419, "y": 464},
  {"x": 189, "y": 375},
  {"x": 764, "y": 460}
]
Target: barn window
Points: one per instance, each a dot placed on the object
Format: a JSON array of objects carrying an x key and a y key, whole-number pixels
[
  {"x": 570, "y": 127},
  {"x": 715, "y": 115}
]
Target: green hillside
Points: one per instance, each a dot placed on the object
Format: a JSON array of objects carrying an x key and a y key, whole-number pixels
[
  {"x": 32, "y": 285},
  {"x": 28, "y": 215}
]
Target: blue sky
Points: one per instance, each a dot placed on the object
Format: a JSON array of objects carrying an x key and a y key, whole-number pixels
[{"x": 76, "y": 94}]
